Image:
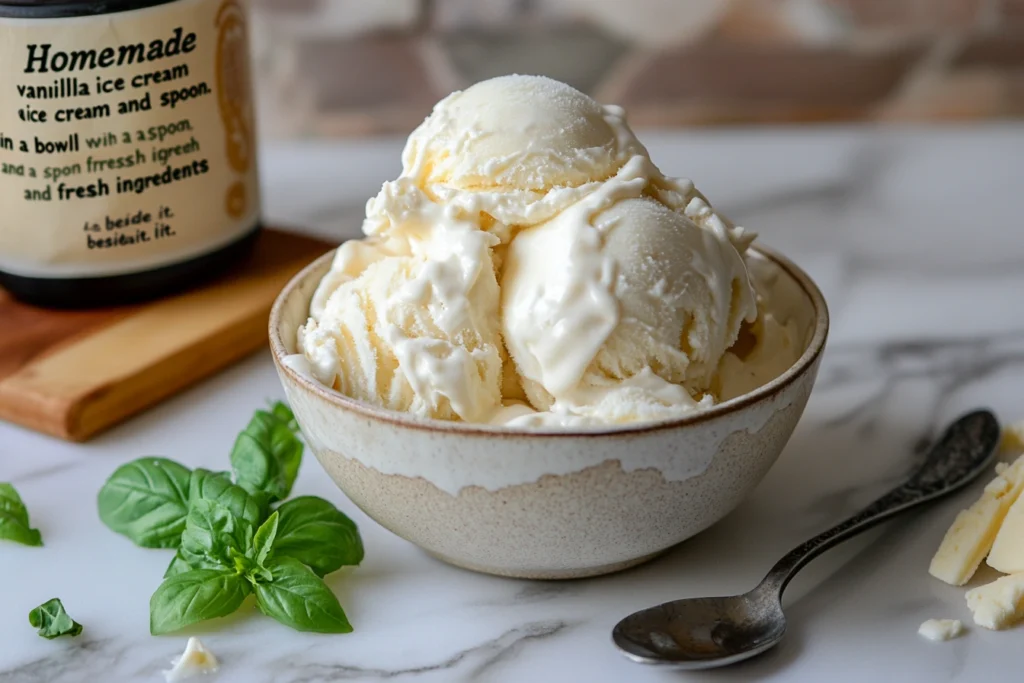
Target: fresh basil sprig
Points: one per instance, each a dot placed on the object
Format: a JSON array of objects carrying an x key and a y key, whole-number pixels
[
  {"x": 14, "y": 524},
  {"x": 223, "y": 552},
  {"x": 52, "y": 620},
  {"x": 229, "y": 541}
]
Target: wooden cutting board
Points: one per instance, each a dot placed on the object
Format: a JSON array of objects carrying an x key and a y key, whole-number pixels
[{"x": 74, "y": 373}]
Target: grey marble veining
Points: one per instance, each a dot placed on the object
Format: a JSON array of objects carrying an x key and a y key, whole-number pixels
[{"x": 911, "y": 234}]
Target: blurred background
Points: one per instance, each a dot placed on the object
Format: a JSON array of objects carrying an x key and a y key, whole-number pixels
[{"x": 330, "y": 68}]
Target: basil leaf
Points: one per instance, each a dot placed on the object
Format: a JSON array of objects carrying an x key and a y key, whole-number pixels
[
  {"x": 52, "y": 620},
  {"x": 283, "y": 413},
  {"x": 217, "y": 487},
  {"x": 195, "y": 596},
  {"x": 14, "y": 524},
  {"x": 178, "y": 565},
  {"x": 263, "y": 542},
  {"x": 266, "y": 456},
  {"x": 298, "y": 598},
  {"x": 147, "y": 501},
  {"x": 211, "y": 531},
  {"x": 317, "y": 534}
]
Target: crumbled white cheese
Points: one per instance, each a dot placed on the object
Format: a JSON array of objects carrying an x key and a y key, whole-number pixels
[
  {"x": 941, "y": 629},
  {"x": 999, "y": 604},
  {"x": 194, "y": 661},
  {"x": 970, "y": 538}
]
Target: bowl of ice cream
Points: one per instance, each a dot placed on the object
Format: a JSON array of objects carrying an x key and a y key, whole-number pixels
[{"x": 546, "y": 359}]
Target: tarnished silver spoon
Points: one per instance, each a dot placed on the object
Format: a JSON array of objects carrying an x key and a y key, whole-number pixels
[{"x": 702, "y": 633}]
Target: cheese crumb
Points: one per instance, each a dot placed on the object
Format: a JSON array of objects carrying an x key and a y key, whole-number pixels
[
  {"x": 941, "y": 629},
  {"x": 999, "y": 604},
  {"x": 194, "y": 661}
]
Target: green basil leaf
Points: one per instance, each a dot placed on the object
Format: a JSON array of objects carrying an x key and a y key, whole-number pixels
[
  {"x": 282, "y": 412},
  {"x": 287, "y": 449},
  {"x": 317, "y": 534},
  {"x": 52, "y": 620},
  {"x": 251, "y": 462},
  {"x": 195, "y": 596},
  {"x": 211, "y": 531},
  {"x": 263, "y": 542},
  {"x": 14, "y": 524},
  {"x": 266, "y": 456},
  {"x": 178, "y": 565},
  {"x": 217, "y": 487},
  {"x": 147, "y": 501},
  {"x": 297, "y": 597}
]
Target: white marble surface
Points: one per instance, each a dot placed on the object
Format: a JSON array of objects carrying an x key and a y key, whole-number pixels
[{"x": 915, "y": 237}]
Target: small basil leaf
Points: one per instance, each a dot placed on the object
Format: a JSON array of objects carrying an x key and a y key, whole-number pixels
[
  {"x": 282, "y": 412},
  {"x": 264, "y": 539},
  {"x": 217, "y": 487},
  {"x": 14, "y": 524},
  {"x": 317, "y": 534},
  {"x": 211, "y": 532},
  {"x": 178, "y": 565},
  {"x": 297, "y": 597},
  {"x": 52, "y": 620},
  {"x": 195, "y": 596},
  {"x": 147, "y": 501},
  {"x": 266, "y": 456},
  {"x": 247, "y": 567},
  {"x": 244, "y": 564}
]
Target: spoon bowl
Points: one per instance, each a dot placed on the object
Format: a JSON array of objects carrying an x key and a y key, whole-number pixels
[{"x": 701, "y": 633}]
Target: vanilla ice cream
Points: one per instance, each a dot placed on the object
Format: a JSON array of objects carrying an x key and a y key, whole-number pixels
[{"x": 532, "y": 267}]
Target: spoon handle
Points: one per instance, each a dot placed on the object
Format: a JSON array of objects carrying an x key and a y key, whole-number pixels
[{"x": 960, "y": 456}]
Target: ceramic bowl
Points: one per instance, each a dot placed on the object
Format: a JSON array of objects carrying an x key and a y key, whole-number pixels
[{"x": 553, "y": 504}]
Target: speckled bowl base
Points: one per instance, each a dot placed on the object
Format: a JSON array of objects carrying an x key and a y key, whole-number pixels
[{"x": 599, "y": 520}]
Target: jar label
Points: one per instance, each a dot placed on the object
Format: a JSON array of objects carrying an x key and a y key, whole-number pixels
[{"x": 127, "y": 140}]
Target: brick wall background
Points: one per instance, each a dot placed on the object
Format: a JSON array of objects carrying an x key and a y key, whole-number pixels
[{"x": 356, "y": 67}]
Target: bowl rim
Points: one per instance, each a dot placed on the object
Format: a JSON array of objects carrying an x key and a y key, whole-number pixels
[{"x": 802, "y": 365}]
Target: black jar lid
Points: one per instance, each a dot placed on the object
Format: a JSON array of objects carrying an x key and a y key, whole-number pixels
[{"x": 56, "y": 9}]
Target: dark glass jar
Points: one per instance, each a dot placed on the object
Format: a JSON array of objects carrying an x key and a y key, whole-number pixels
[{"x": 127, "y": 147}]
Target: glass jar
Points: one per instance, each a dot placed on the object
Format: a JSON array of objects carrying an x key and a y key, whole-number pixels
[{"x": 127, "y": 147}]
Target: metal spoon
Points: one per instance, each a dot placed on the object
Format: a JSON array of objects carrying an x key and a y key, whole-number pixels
[{"x": 702, "y": 633}]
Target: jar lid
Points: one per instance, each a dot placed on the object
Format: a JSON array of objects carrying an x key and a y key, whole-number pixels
[{"x": 54, "y": 9}]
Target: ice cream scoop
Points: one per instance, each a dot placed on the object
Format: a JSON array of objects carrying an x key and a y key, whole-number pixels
[
  {"x": 519, "y": 133},
  {"x": 622, "y": 313},
  {"x": 621, "y": 289},
  {"x": 411, "y": 325}
]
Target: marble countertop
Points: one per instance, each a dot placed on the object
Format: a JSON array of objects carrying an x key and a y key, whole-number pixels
[{"x": 914, "y": 237}]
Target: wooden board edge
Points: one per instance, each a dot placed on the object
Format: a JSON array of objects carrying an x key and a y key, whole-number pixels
[{"x": 110, "y": 406}]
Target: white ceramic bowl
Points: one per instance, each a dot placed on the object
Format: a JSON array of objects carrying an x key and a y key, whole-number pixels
[{"x": 553, "y": 505}]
